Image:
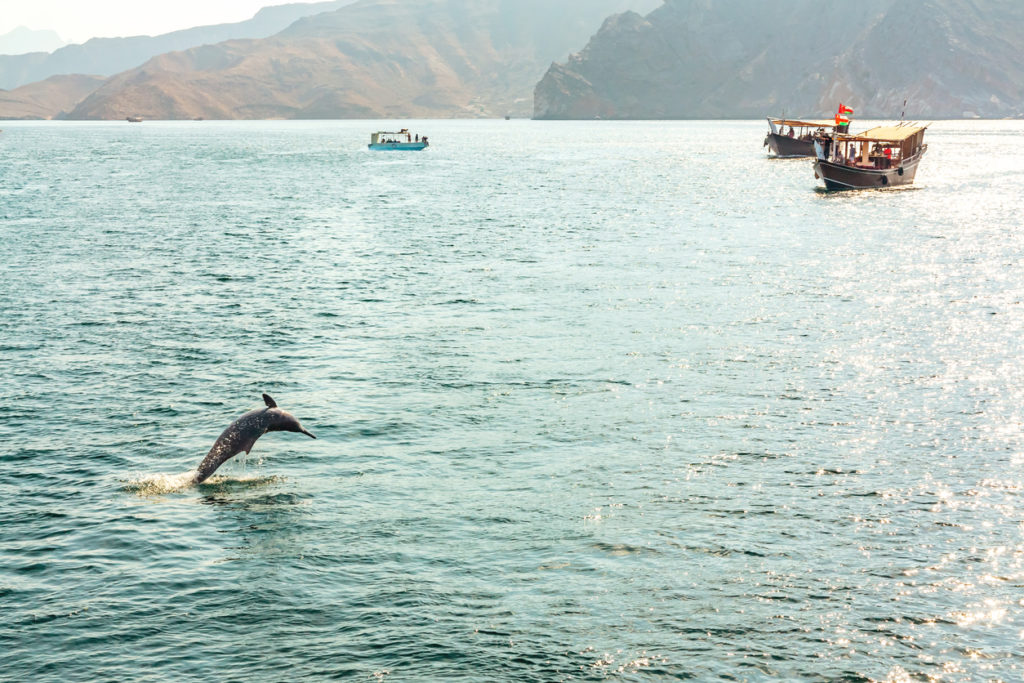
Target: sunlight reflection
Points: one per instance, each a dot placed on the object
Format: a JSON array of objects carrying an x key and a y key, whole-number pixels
[{"x": 991, "y": 614}]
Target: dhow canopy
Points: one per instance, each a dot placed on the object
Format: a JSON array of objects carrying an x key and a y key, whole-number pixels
[
  {"x": 797, "y": 123},
  {"x": 898, "y": 133}
]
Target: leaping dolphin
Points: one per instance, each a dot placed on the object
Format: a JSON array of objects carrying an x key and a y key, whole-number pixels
[{"x": 242, "y": 434}]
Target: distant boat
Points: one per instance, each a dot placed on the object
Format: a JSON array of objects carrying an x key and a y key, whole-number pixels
[
  {"x": 133, "y": 119},
  {"x": 886, "y": 156},
  {"x": 401, "y": 140},
  {"x": 798, "y": 141}
]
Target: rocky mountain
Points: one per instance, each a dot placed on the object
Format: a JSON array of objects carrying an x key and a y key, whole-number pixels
[
  {"x": 23, "y": 39},
  {"x": 47, "y": 99},
  {"x": 109, "y": 56},
  {"x": 371, "y": 59},
  {"x": 748, "y": 58}
]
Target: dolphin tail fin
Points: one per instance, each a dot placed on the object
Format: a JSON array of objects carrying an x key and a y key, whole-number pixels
[{"x": 271, "y": 403}]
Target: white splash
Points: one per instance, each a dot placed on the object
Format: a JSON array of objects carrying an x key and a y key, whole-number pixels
[
  {"x": 160, "y": 483},
  {"x": 163, "y": 483}
]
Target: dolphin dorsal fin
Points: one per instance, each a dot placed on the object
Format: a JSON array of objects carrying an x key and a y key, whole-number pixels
[{"x": 271, "y": 403}]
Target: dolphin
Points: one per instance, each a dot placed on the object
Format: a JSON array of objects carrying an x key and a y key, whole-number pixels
[{"x": 242, "y": 434}]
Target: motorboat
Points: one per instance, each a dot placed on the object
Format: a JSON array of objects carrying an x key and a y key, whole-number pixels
[{"x": 401, "y": 140}]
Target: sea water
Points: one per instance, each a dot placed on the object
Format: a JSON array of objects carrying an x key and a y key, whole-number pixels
[{"x": 623, "y": 401}]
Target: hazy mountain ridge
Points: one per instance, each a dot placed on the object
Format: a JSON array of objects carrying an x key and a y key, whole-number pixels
[
  {"x": 746, "y": 58},
  {"x": 478, "y": 58},
  {"x": 23, "y": 39},
  {"x": 109, "y": 56},
  {"x": 373, "y": 59},
  {"x": 47, "y": 99}
]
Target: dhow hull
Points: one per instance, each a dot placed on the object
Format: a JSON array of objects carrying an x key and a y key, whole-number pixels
[
  {"x": 841, "y": 177},
  {"x": 786, "y": 147}
]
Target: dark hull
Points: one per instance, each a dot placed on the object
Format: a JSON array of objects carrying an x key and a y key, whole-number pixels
[
  {"x": 840, "y": 177},
  {"x": 785, "y": 146}
]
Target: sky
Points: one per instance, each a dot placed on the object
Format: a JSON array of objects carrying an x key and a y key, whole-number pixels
[{"x": 78, "y": 20}]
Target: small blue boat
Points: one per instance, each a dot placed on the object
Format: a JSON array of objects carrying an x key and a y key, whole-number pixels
[{"x": 401, "y": 140}]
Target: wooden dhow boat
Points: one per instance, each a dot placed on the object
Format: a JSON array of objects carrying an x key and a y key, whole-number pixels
[
  {"x": 886, "y": 156},
  {"x": 791, "y": 138},
  {"x": 798, "y": 141}
]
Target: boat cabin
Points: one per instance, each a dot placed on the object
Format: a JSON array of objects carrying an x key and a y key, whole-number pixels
[
  {"x": 799, "y": 129},
  {"x": 389, "y": 137},
  {"x": 878, "y": 148}
]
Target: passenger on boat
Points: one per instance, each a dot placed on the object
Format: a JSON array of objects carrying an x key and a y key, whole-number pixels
[{"x": 877, "y": 158}]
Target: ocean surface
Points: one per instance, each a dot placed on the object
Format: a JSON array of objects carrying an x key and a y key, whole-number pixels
[{"x": 594, "y": 401}]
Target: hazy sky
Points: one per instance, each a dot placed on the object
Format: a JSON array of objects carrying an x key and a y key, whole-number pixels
[{"x": 78, "y": 20}]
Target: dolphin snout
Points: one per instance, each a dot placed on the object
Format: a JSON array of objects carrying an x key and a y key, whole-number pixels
[{"x": 308, "y": 433}]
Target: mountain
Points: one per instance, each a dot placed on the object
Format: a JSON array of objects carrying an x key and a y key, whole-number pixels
[
  {"x": 108, "y": 56},
  {"x": 45, "y": 99},
  {"x": 22, "y": 40},
  {"x": 749, "y": 58},
  {"x": 371, "y": 59},
  {"x": 375, "y": 58}
]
